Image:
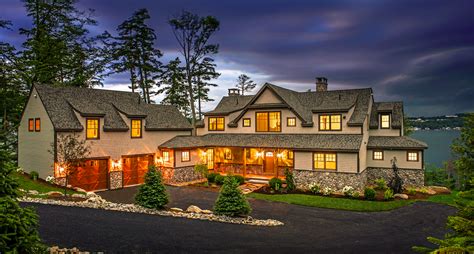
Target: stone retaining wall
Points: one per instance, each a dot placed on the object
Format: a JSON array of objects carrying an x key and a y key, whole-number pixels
[
  {"x": 411, "y": 177},
  {"x": 184, "y": 174}
]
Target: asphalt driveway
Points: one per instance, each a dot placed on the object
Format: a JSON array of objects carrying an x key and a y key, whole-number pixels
[{"x": 306, "y": 229}]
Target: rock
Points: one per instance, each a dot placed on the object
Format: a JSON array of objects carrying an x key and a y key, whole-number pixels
[
  {"x": 400, "y": 196},
  {"x": 206, "y": 211},
  {"x": 76, "y": 195},
  {"x": 193, "y": 209},
  {"x": 440, "y": 189},
  {"x": 33, "y": 192},
  {"x": 22, "y": 190},
  {"x": 79, "y": 189},
  {"x": 54, "y": 193},
  {"x": 176, "y": 210},
  {"x": 90, "y": 194}
]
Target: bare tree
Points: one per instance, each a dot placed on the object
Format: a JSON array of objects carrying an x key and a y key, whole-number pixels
[
  {"x": 70, "y": 154},
  {"x": 245, "y": 84}
]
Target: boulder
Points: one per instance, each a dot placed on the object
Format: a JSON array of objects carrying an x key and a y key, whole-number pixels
[
  {"x": 193, "y": 209},
  {"x": 79, "y": 189},
  {"x": 54, "y": 193},
  {"x": 400, "y": 196},
  {"x": 440, "y": 189},
  {"x": 33, "y": 192},
  {"x": 176, "y": 210},
  {"x": 90, "y": 194},
  {"x": 206, "y": 211},
  {"x": 76, "y": 195}
]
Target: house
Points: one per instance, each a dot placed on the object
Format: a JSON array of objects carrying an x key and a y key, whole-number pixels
[
  {"x": 123, "y": 134},
  {"x": 330, "y": 137}
]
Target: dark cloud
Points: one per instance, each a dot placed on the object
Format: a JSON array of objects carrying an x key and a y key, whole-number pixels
[{"x": 420, "y": 52}]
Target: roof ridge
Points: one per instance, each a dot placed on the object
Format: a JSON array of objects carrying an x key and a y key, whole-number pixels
[{"x": 84, "y": 88}]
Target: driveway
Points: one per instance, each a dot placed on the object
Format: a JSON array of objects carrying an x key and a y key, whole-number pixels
[{"x": 306, "y": 229}]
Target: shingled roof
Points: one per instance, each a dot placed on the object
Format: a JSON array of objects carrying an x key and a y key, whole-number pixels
[
  {"x": 303, "y": 104},
  {"x": 395, "y": 142},
  {"x": 62, "y": 102},
  {"x": 396, "y": 110},
  {"x": 339, "y": 142}
]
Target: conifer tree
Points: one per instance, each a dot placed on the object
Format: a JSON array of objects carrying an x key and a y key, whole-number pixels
[
  {"x": 245, "y": 84},
  {"x": 152, "y": 194},
  {"x": 231, "y": 201},
  {"x": 172, "y": 86},
  {"x": 206, "y": 71}
]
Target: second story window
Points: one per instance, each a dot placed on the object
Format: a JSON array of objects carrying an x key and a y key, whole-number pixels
[
  {"x": 37, "y": 124},
  {"x": 329, "y": 122},
  {"x": 92, "y": 128},
  {"x": 136, "y": 128},
  {"x": 291, "y": 121},
  {"x": 385, "y": 121},
  {"x": 31, "y": 124},
  {"x": 246, "y": 122},
  {"x": 268, "y": 121},
  {"x": 216, "y": 124}
]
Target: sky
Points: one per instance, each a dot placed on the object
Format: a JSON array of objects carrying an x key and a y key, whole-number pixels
[{"x": 418, "y": 52}]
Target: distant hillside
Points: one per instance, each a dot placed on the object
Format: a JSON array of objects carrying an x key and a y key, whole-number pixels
[{"x": 438, "y": 122}]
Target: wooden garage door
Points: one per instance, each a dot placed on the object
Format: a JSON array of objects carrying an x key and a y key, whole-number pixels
[
  {"x": 92, "y": 176},
  {"x": 135, "y": 168}
]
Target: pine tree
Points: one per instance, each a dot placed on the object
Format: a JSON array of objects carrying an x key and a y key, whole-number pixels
[
  {"x": 206, "y": 71},
  {"x": 245, "y": 84},
  {"x": 231, "y": 201},
  {"x": 172, "y": 86},
  {"x": 463, "y": 148},
  {"x": 153, "y": 193}
]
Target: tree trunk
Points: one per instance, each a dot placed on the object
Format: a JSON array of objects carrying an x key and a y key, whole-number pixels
[{"x": 199, "y": 96}]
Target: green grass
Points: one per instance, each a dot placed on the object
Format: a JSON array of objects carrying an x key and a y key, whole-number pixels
[
  {"x": 447, "y": 199},
  {"x": 333, "y": 203},
  {"x": 28, "y": 184}
]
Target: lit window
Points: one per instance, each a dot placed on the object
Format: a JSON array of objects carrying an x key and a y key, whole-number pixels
[
  {"x": 246, "y": 122},
  {"x": 290, "y": 155},
  {"x": 378, "y": 155},
  {"x": 412, "y": 156},
  {"x": 216, "y": 123},
  {"x": 324, "y": 161},
  {"x": 291, "y": 121},
  {"x": 92, "y": 129},
  {"x": 31, "y": 124},
  {"x": 185, "y": 156},
  {"x": 330, "y": 122},
  {"x": 37, "y": 124},
  {"x": 136, "y": 128},
  {"x": 227, "y": 154},
  {"x": 166, "y": 156},
  {"x": 385, "y": 121},
  {"x": 210, "y": 158},
  {"x": 268, "y": 122}
]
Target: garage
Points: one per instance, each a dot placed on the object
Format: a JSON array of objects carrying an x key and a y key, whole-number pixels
[
  {"x": 135, "y": 167},
  {"x": 93, "y": 175}
]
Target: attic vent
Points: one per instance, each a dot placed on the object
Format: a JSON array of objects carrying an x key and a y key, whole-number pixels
[{"x": 234, "y": 91}]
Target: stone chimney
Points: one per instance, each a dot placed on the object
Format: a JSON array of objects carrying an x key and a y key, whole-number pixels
[
  {"x": 321, "y": 84},
  {"x": 234, "y": 91}
]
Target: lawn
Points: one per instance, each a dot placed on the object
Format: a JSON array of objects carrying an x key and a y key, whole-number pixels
[
  {"x": 348, "y": 204},
  {"x": 28, "y": 184}
]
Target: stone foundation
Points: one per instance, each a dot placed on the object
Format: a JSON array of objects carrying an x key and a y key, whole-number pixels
[
  {"x": 61, "y": 181},
  {"x": 334, "y": 180},
  {"x": 179, "y": 175},
  {"x": 115, "y": 180},
  {"x": 411, "y": 177}
]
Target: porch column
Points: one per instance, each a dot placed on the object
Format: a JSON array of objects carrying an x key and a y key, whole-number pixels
[{"x": 245, "y": 162}]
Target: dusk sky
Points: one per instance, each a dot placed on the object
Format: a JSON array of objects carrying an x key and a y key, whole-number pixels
[{"x": 420, "y": 52}]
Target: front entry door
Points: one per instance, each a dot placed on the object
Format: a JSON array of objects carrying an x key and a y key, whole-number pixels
[{"x": 269, "y": 164}]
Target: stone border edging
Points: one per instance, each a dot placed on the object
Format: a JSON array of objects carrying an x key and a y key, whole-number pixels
[{"x": 132, "y": 208}]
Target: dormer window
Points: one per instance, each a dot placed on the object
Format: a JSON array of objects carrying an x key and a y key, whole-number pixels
[
  {"x": 136, "y": 128},
  {"x": 330, "y": 122},
  {"x": 216, "y": 124},
  {"x": 385, "y": 121},
  {"x": 268, "y": 121},
  {"x": 92, "y": 128}
]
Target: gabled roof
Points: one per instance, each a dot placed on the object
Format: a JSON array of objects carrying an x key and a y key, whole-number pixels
[
  {"x": 395, "y": 142},
  {"x": 303, "y": 104},
  {"x": 62, "y": 102},
  {"x": 330, "y": 142},
  {"x": 396, "y": 110}
]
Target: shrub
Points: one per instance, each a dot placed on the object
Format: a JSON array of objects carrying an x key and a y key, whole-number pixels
[
  {"x": 152, "y": 194},
  {"x": 275, "y": 183},
  {"x": 424, "y": 190},
  {"x": 348, "y": 191},
  {"x": 369, "y": 193},
  {"x": 314, "y": 188},
  {"x": 327, "y": 191},
  {"x": 411, "y": 191},
  {"x": 240, "y": 179},
  {"x": 388, "y": 194},
  {"x": 34, "y": 175},
  {"x": 290, "y": 180},
  {"x": 231, "y": 201},
  {"x": 211, "y": 177},
  {"x": 201, "y": 169},
  {"x": 219, "y": 179},
  {"x": 50, "y": 179},
  {"x": 380, "y": 184},
  {"x": 356, "y": 194}
]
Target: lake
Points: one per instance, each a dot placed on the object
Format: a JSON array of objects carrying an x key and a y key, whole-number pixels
[{"x": 439, "y": 145}]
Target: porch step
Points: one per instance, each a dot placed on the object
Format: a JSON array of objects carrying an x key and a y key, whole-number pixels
[
  {"x": 247, "y": 187},
  {"x": 258, "y": 181}
]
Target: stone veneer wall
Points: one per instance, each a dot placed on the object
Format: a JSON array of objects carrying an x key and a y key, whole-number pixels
[
  {"x": 179, "y": 175},
  {"x": 115, "y": 180},
  {"x": 411, "y": 177},
  {"x": 334, "y": 180}
]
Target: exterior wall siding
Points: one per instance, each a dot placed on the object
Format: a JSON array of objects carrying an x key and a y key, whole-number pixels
[
  {"x": 267, "y": 96},
  {"x": 346, "y": 162},
  {"x": 33, "y": 146},
  {"x": 194, "y": 158},
  {"x": 401, "y": 156},
  {"x": 384, "y": 132}
]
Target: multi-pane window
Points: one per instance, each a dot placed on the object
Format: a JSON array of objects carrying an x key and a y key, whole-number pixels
[
  {"x": 92, "y": 128},
  {"x": 268, "y": 121},
  {"x": 216, "y": 123},
  {"x": 210, "y": 159},
  {"x": 31, "y": 124},
  {"x": 377, "y": 155},
  {"x": 330, "y": 122},
  {"x": 136, "y": 128},
  {"x": 246, "y": 122},
  {"x": 166, "y": 156},
  {"x": 385, "y": 121},
  {"x": 412, "y": 156},
  {"x": 291, "y": 121},
  {"x": 185, "y": 156},
  {"x": 37, "y": 124},
  {"x": 324, "y": 161}
]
